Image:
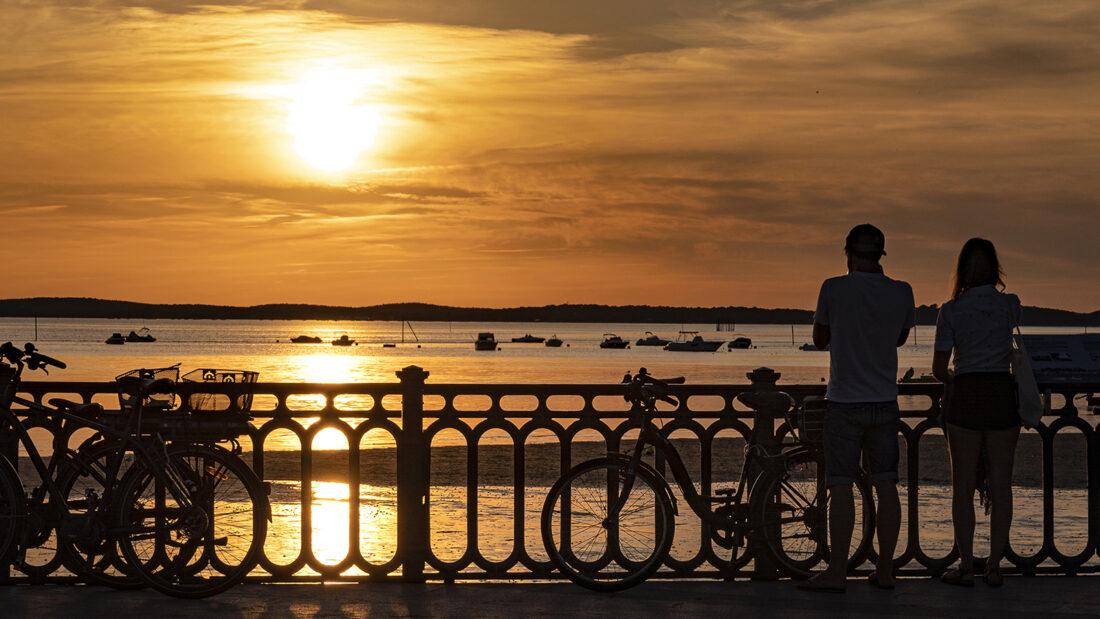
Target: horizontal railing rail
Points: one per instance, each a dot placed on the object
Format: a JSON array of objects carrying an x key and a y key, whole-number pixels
[{"x": 445, "y": 481}]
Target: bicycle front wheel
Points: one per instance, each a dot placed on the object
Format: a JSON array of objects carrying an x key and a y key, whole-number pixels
[
  {"x": 198, "y": 535},
  {"x": 792, "y": 506},
  {"x": 599, "y": 549}
]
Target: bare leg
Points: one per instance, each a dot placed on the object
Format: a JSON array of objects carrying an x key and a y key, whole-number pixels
[
  {"x": 1001, "y": 447},
  {"x": 965, "y": 446},
  {"x": 842, "y": 516},
  {"x": 889, "y": 525}
]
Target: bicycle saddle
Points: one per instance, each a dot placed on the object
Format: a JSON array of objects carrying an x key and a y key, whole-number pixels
[{"x": 82, "y": 410}]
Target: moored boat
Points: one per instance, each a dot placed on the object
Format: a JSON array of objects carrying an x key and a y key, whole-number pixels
[
  {"x": 343, "y": 340},
  {"x": 651, "y": 340},
  {"x": 554, "y": 342},
  {"x": 528, "y": 339},
  {"x": 305, "y": 339},
  {"x": 141, "y": 336},
  {"x": 695, "y": 344},
  {"x": 741, "y": 343},
  {"x": 810, "y": 347},
  {"x": 485, "y": 341},
  {"x": 610, "y": 340},
  {"x": 115, "y": 339}
]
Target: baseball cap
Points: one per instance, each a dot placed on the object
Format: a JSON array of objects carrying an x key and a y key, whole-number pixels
[{"x": 867, "y": 239}]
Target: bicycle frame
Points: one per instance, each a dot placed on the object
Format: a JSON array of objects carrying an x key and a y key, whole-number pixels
[
  {"x": 127, "y": 438},
  {"x": 699, "y": 503}
]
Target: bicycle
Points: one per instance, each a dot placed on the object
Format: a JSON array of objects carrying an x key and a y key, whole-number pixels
[
  {"x": 608, "y": 523},
  {"x": 187, "y": 517}
]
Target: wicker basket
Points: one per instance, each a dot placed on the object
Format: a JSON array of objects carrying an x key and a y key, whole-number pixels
[
  {"x": 216, "y": 402},
  {"x": 810, "y": 421}
]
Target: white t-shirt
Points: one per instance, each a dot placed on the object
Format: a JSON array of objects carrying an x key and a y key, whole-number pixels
[
  {"x": 978, "y": 326},
  {"x": 865, "y": 313}
]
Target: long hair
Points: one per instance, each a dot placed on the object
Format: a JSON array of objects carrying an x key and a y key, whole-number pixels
[{"x": 978, "y": 266}]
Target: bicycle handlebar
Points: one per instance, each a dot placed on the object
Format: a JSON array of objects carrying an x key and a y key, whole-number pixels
[
  {"x": 642, "y": 386},
  {"x": 29, "y": 356}
]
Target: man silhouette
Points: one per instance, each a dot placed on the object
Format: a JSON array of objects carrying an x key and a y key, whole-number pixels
[{"x": 862, "y": 317}]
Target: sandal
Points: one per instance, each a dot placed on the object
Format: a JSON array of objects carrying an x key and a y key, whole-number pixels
[
  {"x": 958, "y": 578},
  {"x": 872, "y": 579},
  {"x": 993, "y": 577}
]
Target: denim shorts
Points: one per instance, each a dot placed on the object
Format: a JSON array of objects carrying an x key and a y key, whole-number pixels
[{"x": 867, "y": 428}]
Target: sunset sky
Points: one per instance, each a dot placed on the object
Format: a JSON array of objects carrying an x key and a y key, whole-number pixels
[{"x": 505, "y": 152}]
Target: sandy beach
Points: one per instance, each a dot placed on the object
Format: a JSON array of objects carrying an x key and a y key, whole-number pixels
[{"x": 543, "y": 462}]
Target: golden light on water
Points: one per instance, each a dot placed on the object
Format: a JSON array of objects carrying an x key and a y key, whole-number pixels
[{"x": 327, "y": 367}]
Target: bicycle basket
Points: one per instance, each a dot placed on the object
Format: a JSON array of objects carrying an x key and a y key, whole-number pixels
[
  {"x": 158, "y": 400},
  {"x": 810, "y": 421},
  {"x": 214, "y": 402}
]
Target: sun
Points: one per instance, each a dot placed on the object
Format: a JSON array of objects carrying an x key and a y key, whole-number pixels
[{"x": 328, "y": 120}]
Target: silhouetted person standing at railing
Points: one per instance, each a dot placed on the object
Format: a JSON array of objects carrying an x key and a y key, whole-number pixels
[
  {"x": 862, "y": 317},
  {"x": 980, "y": 409}
]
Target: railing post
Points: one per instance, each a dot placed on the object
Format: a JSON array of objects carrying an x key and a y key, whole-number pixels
[
  {"x": 769, "y": 404},
  {"x": 412, "y": 477}
]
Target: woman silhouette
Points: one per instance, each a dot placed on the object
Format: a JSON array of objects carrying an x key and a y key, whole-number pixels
[{"x": 980, "y": 408}]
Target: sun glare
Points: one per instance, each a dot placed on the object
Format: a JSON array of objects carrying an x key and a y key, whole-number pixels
[{"x": 328, "y": 120}]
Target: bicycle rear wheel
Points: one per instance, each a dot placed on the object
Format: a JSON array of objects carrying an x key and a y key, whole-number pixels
[
  {"x": 200, "y": 544},
  {"x": 594, "y": 549},
  {"x": 793, "y": 508},
  {"x": 86, "y": 547}
]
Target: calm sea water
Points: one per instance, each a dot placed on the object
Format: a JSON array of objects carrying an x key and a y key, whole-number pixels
[{"x": 446, "y": 350}]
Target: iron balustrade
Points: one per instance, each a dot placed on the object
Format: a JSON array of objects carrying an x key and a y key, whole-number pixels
[{"x": 414, "y": 411}]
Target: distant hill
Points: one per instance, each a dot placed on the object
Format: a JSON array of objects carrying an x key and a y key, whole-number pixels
[{"x": 57, "y": 307}]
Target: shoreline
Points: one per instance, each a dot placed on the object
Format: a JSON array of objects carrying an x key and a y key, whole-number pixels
[{"x": 110, "y": 309}]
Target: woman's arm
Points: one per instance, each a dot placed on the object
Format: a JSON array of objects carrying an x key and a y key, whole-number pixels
[{"x": 940, "y": 370}]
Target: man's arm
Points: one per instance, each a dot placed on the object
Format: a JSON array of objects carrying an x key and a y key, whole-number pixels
[
  {"x": 822, "y": 334},
  {"x": 910, "y": 317},
  {"x": 904, "y": 337}
]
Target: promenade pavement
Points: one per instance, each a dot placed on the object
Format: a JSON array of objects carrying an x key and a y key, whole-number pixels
[{"x": 1043, "y": 597}]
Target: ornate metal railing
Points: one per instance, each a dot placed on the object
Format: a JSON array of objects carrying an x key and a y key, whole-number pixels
[{"x": 562, "y": 420}]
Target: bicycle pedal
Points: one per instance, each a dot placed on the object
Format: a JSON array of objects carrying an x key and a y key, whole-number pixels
[{"x": 221, "y": 541}]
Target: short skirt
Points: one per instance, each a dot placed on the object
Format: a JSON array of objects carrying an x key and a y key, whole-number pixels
[{"x": 983, "y": 401}]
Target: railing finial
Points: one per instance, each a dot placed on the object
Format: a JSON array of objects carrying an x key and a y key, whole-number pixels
[
  {"x": 763, "y": 376},
  {"x": 412, "y": 374}
]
